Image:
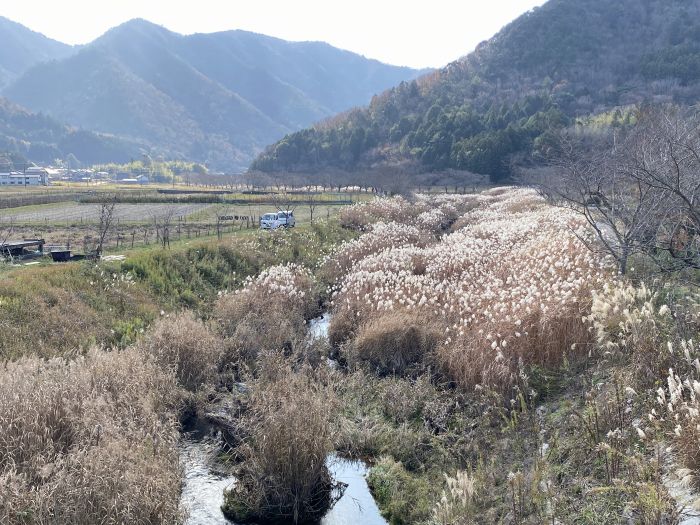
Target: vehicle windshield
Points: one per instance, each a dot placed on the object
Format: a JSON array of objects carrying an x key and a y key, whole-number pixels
[{"x": 269, "y": 217}]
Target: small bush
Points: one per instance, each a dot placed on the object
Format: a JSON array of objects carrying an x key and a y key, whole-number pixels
[
  {"x": 192, "y": 277},
  {"x": 403, "y": 401},
  {"x": 402, "y": 497},
  {"x": 393, "y": 343},
  {"x": 283, "y": 476},
  {"x": 185, "y": 345}
]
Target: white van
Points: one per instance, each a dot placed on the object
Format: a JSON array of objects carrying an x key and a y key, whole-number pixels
[{"x": 281, "y": 219}]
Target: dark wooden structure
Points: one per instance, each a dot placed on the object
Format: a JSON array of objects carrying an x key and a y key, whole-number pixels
[
  {"x": 22, "y": 248},
  {"x": 60, "y": 255}
]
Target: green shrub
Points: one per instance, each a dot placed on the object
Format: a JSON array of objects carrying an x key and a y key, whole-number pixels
[
  {"x": 192, "y": 277},
  {"x": 402, "y": 497}
]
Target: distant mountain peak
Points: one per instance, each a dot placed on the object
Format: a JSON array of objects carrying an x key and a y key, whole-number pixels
[
  {"x": 21, "y": 48},
  {"x": 134, "y": 28},
  {"x": 217, "y": 98}
]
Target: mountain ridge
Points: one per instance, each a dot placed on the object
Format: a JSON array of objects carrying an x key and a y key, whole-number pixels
[
  {"x": 493, "y": 107},
  {"x": 217, "y": 98},
  {"x": 21, "y": 48}
]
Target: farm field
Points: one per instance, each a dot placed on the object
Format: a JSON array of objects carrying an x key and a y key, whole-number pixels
[
  {"x": 75, "y": 213},
  {"x": 134, "y": 225}
]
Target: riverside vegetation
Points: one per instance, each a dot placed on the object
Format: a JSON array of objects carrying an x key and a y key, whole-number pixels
[{"x": 487, "y": 363}]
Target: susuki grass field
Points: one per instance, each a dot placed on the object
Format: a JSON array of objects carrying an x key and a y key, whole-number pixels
[{"x": 483, "y": 358}]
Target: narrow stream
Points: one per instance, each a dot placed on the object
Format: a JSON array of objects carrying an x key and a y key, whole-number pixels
[
  {"x": 684, "y": 495},
  {"x": 203, "y": 483},
  {"x": 357, "y": 504},
  {"x": 205, "y": 479}
]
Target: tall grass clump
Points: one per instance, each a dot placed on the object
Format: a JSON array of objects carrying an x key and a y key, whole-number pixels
[
  {"x": 186, "y": 346},
  {"x": 283, "y": 477},
  {"x": 433, "y": 213},
  {"x": 90, "y": 440},
  {"x": 380, "y": 237},
  {"x": 632, "y": 322},
  {"x": 394, "y": 343},
  {"x": 269, "y": 312}
]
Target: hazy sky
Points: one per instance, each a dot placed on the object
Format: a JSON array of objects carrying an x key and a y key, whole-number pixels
[{"x": 403, "y": 32}]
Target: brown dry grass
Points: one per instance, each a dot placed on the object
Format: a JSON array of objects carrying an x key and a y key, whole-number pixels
[
  {"x": 88, "y": 441},
  {"x": 548, "y": 343},
  {"x": 393, "y": 343},
  {"x": 283, "y": 476},
  {"x": 186, "y": 346}
]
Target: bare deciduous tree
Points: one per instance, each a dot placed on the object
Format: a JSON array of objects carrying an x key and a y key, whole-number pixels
[
  {"x": 640, "y": 194},
  {"x": 162, "y": 224},
  {"x": 312, "y": 202},
  {"x": 662, "y": 154},
  {"x": 106, "y": 222}
]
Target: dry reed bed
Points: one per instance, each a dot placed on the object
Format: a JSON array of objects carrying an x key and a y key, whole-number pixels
[
  {"x": 268, "y": 313},
  {"x": 88, "y": 440},
  {"x": 509, "y": 285}
]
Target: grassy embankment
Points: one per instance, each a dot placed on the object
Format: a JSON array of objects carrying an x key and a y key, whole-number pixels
[
  {"x": 55, "y": 309},
  {"x": 90, "y": 436}
]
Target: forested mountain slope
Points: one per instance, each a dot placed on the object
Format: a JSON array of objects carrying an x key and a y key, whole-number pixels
[
  {"x": 22, "y": 48},
  {"x": 27, "y": 135},
  {"x": 488, "y": 110},
  {"x": 217, "y": 98}
]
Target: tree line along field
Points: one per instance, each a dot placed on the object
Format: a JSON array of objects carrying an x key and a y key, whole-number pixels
[
  {"x": 11, "y": 197},
  {"x": 490, "y": 363}
]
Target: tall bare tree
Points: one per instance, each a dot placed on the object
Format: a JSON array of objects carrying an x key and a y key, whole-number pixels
[
  {"x": 313, "y": 199},
  {"x": 106, "y": 223},
  {"x": 638, "y": 193},
  {"x": 162, "y": 224},
  {"x": 662, "y": 155}
]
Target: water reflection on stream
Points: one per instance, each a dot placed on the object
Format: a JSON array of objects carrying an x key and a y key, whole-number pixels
[{"x": 357, "y": 504}]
